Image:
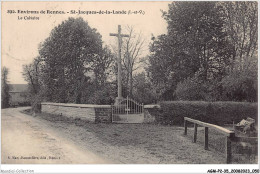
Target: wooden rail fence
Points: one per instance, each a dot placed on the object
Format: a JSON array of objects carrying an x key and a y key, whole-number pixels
[{"x": 229, "y": 135}]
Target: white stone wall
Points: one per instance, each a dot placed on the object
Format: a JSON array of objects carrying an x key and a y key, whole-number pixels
[
  {"x": 84, "y": 113},
  {"x": 90, "y": 112}
]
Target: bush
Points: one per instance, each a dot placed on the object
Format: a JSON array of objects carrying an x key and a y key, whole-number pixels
[
  {"x": 103, "y": 96},
  {"x": 219, "y": 113},
  {"x": 191, "y": 89},
  {"x": 195, "y": 89},
  {"x": 143, "y": 91},
  {"x": 240, "y": 86}
]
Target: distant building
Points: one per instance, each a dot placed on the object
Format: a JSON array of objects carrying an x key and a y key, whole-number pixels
[{"x": 19, "y": 95}]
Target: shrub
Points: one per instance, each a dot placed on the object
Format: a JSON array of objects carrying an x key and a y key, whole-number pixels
[
  {"x": 241, "y": 83},
  {"x": 101, "y": 97},
  {"x": 195, "y": 89},
  {"x": 191, "y": 89},
  {"x": 240, "y": 86},
  {"x": 93, "y": 94},
  {"x": 219, "y": 113}
]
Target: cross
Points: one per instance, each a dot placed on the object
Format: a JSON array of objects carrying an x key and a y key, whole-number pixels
[{"x": 119, "y": 73}]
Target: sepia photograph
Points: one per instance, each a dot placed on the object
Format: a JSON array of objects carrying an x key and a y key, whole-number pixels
[{"x": 130, "y": 82}]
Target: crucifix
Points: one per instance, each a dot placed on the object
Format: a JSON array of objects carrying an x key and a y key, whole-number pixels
[{"x": 119, "y": 66}]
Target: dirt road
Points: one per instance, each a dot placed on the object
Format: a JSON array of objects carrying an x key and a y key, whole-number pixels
[
  {"x": 29, "y": 140},
  {"x": 60, "y": 140}
]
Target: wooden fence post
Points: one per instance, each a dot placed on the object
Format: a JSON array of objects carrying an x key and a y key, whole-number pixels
[
  {"x": 228, "y": 150},
  {"x": 206, "y": 142},
  {"x": 195, "y": 133},
  {"x": 185, "y": 127}
]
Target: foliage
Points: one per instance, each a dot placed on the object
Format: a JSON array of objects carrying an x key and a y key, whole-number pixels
[
  {"x": 102, "y": 66},
  {"x": 219, "y": 113},
  {"x": 104, "y": 95},
  {"x": 32, "y": 74},
  {"x": 71, "y": 63},
  {"x": 242, "y": 26},
  {"x": 160, "y": 69},
  {"x": 195, "y": 89},
  {"x": 191, "y": 89},
  {"x": 143, "y": 92},
  {"x": 241, "y": 85},
  {"x": 5, "y": 88},
  {"x": 66, "y": 54},
  {"x": 195, "y": 42},
  {"x": 207, "y": 43}
]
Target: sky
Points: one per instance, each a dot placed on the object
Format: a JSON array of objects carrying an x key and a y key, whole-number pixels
[{"x": 21, "y": 38}]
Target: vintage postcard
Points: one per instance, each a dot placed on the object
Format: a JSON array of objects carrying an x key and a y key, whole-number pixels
[{"x": 129, "y": 82}]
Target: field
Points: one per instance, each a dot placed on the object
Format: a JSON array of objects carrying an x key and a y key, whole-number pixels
[{"x": 140, "y": 143}]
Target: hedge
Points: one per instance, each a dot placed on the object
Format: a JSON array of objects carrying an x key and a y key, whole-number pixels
[{"x": 219, "y": 113}]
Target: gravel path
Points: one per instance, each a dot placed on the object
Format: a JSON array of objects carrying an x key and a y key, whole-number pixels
[{"x": 30, "y": 140}]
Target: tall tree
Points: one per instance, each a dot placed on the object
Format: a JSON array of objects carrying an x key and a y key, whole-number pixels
[
  {"x": 5, "y": 88},
  {"x": 72, "y": 66},
  {"x": 32, "y": 74},
  {"x": 66, "y": 53},
  {"x": 133, "y": 48},
  {"x": 198, "y": 28},
  {"x": 242, "y": 26},
  {"x": 161, "y": 68},
  {"x": 195, "y": 43}
]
